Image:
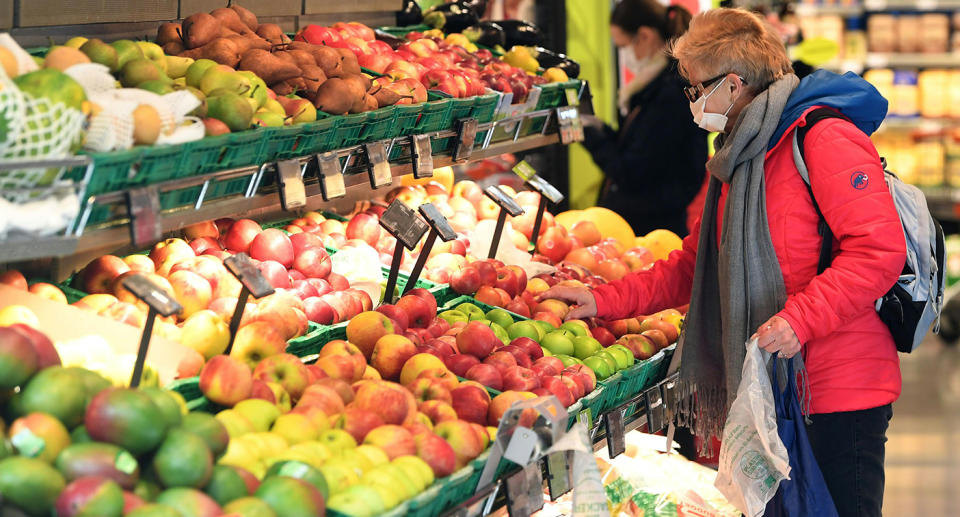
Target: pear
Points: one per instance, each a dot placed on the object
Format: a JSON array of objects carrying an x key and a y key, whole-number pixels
[
  {"x": 302, "y": 58},
  {"x": 201, "y": 110},
  {"x": 272, "y": 33},
  {"x": 157, "y": 86},
  {"x": 329, "y": 60},
  {"x": 274, "y": 106},
  {"x": 62, "y": 58},
  {"x": 298, "y": 109},
  {"x": 146, "y": 125},
  {"x": 267, "y": 118},
  {"x": 151, "y": 50},
  {"x": 222, "y": 77},
  {"x": 313, "y": 77},
  {"x": 100, "y": 52},
  {"x": 75, "y": 42},
  {"x": 258, "y": 89},
  {"x": 230, "y": 19},
  {"x": 221, "y": 50},
  {"x": 126, "y": 51},
  {"x": 196, "y": 70},
  {"x": 177, "y": 66},
  {"x": 169, "y": 32},
  {"x": 181, "y": 82},
  {"x": 267, "y": 66},
  {"x": 230, "y": 108},
  {"x": 139, "y": 71},
  {"x": 173, "y": 48},
  {"x": 247, "y": 16},
  {"x": 350, "y": 64},
  {"x": 335, "y": 97},
  {"x": 199, "y": 29}
]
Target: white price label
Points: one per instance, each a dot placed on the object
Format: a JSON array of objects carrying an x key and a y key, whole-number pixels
[{"x": 521, "y": 446}]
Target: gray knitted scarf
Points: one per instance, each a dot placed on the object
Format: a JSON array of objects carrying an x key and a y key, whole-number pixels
[{"x": 738, "y": 286}]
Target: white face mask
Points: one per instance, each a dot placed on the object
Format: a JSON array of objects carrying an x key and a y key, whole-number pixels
[{"x": 713, "y": 122}]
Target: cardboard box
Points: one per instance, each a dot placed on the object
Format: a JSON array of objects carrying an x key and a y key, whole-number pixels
[
  {"x": 6, "y": 14},
  {"x": 259, "y": 7},
  {"x": 351, "y": 6},
  {"x": 32, "y": 13}
]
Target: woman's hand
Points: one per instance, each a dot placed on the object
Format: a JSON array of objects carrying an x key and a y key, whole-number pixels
[
  {"x": 776, "y": 335},
  {"x": 583, "y": 304}
]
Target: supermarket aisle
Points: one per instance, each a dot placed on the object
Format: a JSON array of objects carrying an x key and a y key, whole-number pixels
[{"x": 923, "y": 451}]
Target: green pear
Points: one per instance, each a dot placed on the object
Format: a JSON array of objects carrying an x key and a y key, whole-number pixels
[
  {"x": 201, "y": 110},
  {"x": 126, "y": 51},
  {"x": 231, "y": 109},
  {"x": 151, "y": 50},
  {"x": 75, "y": 42},
  {"x": 274, "y": 106},
  {"x": 258, "y": 88},
  {"x": 141, "y": 70},
  {"x": 157, "y": 86},
  {"x": 100, "y": 52},
  {"x": 267, "y": 118},
  {"x": 177, "y": 66},
  {"x": 196, "y": 70},
  {"x": 217, "y": 78}
]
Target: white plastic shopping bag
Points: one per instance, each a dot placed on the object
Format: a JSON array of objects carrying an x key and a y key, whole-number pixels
[{"x": 753, "y": 460}]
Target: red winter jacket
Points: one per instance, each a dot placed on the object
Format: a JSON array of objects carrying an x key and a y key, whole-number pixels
[{"x": 849, "y": 353}]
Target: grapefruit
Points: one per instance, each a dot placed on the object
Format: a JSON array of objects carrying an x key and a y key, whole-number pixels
[
  {"x": 660, "y": 243},
  {"x": 608, "y": 222}
]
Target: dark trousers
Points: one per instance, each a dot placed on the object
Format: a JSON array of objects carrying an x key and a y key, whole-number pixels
[{"x": 849, "y": 448}]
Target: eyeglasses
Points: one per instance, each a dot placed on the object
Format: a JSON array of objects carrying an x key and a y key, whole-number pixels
[{"x": 696, "y": 91}]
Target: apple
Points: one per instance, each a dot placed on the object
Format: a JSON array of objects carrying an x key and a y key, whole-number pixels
[
  {"x": 437, "y": 411},
  {"x": 322, "y": 286},
  {"x": 437, "y": 453},
  {"x": 358, "y": 422},
  {"x": 286, "y": 370},
  {"x": 603, "y": 335},
  {"x": 319, "y": 311},
  {"x": 573, "y": 385},
  {"x": 501, "y": 360},
  {"x": 256, "y": 341},
  {"x": 390, "y": 354},
  {"x": 555, "y": 386},
  {"x": 519, "y": 354},
  {"x": 365, "y": 329},
  {"x": 321, "y": 397},
  {"x": 460, "y": 363},
  {"x": 465, "y": 441},
  {"x": 668, "y": 329},
  {"x": 397, "y": 316},
  {"x": 226, "y": 380},
  {"x": 391, "y": 401},
  {"x": 583, "y": 375},
  {"x": 486, "y": 374},
  {"x": 313, "y": 263},
  {"x": 275, "y": 273},
  {"x": 272, "y": 244},
  {"x": 192, "y": 291},
  {"x": 143, "y": 264},
  {"x": 98, "y": 276},
  {"x": 302, "y": 241},
  {"x": 425, "y": 388},
  {"x": 240, "y": 235},
  {"x": 393, "y": 439},
  {"x": 418, "y": 310},
  {"x": 531, "y": 347},
  {"x": 477, "y": 339},
  {"x": 519, "y": 378},
  {"x": 548, "y": 365},
  {"x": 471, "y": 402},
  {"x": 364, "y": 227},
  {"x": 15, "y": 279}
]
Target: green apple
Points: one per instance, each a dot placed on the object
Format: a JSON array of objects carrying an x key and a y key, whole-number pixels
[
  {"x": 567, "y": 360},
  {"x": 545, "y": 327},
  {"x": 576, "y": 328},
  {"x": 525, "y": 329},
  {"x": 498, "y": 330},
  {"x": 585, "y": 346},
  {"x": 500, "y": 317},
  {"x": 623, "y": 356},
  {"x": 599, "y": 367},
  {"x": 454, "y": 316},
  {"x": 337, "y": 440},
  {"x": 472, "y": 311},
  {"x": 259, "y": 412},
  {"x": 610, "y": 359},
  {"x": 558, "y": 342}
]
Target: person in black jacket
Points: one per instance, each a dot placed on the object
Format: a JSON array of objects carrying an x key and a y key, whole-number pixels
[{"x": 654, "y": 164}]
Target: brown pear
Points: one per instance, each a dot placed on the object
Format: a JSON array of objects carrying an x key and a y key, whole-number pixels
[
  {"x": 350, "y": 64},
  {"x": 286, "y": 56},
  {"x": 282, "y": 88},
  {"x": 173, "y": 48},
  {"x": 302, "y": 58},
  {"x": 335, "y": 97},
  {"x": 221, "y": 50},
  {"x": 267, "y": 66},
  {"x": 361, "y": 81},
  {"x": 247, "y": 16},
  {"x": 168, "y": 32},
  {"x": 199, "y": 29},
  {"x": 385, "y": 96},
  {"x": 231, "y": 20},
  {"x": 272, "y": 33},
  {"x": 329, "y": 60},
  {"x": 313, "y": 77}
]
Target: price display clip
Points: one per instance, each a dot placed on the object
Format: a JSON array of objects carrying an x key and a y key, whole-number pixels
[
  {"x": 656, "y": 410},
  {"x": 253, "y": 283},
  {"x": 613, "y": 423},
  {"x": 330, "y": 175},
  {"x": 547, "y": 192},
  {"x": 293, "y": 194},
  {"x": 507, "y": 207},
  {"x": 408, "y": 228},
  {"x": 377, "y": 165},
  {"x": 143, "y": 207},
  {"x": 559, "y": 476},
  {"x": 159, "y": 302},
  {"x": 569, "y": 125},
  {"x": 524, "y": 491},
  {"x": 466, "y": 137},
  {"x": 421, "y": 153},
  {"x": 439, "y": 226}
]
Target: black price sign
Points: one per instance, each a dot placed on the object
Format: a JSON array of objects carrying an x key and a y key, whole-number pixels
[
  {"x": 332, "y": 185},
  {"x": 404, "y": 224},
  {"x": 505, "y": 202},
  {"x": 466, "y": 137},
  {"x": 293, "y": 194},
  {"x": 143, "y": 207},
  {"x": 613, "y": 421},
  {"x": 422, "y": 154},
  {"x": 525, "y": 491},
  {"x": 437, "y": 221},
  {"x": 152, "y": 295},
  {"x": 248, "y": 275},
  {"x": 377, "y": 165},
  {"x": 545, "y": 189},
  {"x": 558, "y": 474}
]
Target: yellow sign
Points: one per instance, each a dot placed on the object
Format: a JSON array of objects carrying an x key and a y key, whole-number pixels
[{"x": 816, "y": 51}]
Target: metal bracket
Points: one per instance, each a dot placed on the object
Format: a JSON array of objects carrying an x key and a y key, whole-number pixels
[
  {"x": 330, "y": 175},
  {"x": 421, "y": 153},
  {"x": 293, "y": 194},
  {"x": 524, "y": 491},
  {"x": 656, "y": 411},
  {"x": 143, "y": 207},
  {"x": 466, "y": 136},
  {"x": 613, "y": 421},
  {"x": 377, "y": 165}
]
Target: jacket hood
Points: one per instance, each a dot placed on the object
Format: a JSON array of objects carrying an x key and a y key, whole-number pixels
[{"x": 848, "y": 93}]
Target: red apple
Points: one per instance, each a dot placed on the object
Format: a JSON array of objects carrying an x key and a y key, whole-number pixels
[
  {"x": 418, "y": 310},
  {"x": 320, "y": 311},
  {"x": 364, "y": 227},
  {"x": 275, "y": 273},
  {"x": 508, "y": 281},
  {"x": 519, "y": 354},
  {"x": 477, "y": 339},
  {"x": 558, "y": 388},
  {"x": 531, "y": 347},
  {"x": 549, "y": 365},
  {"x": 272, "y": 244},
  {"x": 460, "y": 363},
  {"x": 465, "y": 281},
  {"x": 583, "y": 375},
  {"x": 486, "y": 374},
  {"x": 313, "y": 262},
  {"x": 518, "y": 378},
  {"x": 399, "y": 317},
  {"x": 302, "y": 241},
  {"x": 501, "y": 360},
  {"x": 240, "y": 235}
]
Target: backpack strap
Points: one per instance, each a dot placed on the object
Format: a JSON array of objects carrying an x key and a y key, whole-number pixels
[{"x": 814, "y": 116}]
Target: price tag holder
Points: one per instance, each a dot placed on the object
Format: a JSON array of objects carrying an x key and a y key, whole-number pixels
[
  {"x": 377, "y": 165},
  {"x": 507, "y": 206},
  {"x": 524, "y": 491},
  {"x": 656, "y": 411},
  {"x": 159, "y": 302},
  {"x": 253, "y": 283},
  {"x": 422, "y": 154},
  {"x": 143, "y": 207},
  {"x": 545, "y": 189},
  {"x": 293, "y": 194},
  {"x": 524, "y": 170},
  {"x": 466, "y": 137},
  {"x": 408, "y": 228},
  {"x": 439, "y": 227},
  {"x": 573, "y": 96},
  {"x": 558, "y": 474},
  {"x": 613, "y": 421},
  {"x": 521, "y": 446},
  {"x": 569, "y": 125},
  {"x": 332, "y": 185}
]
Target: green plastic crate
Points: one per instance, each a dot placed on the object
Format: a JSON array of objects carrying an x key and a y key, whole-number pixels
[
  {"x": 204, "y": 155},
  {"x": 424, "y": 503},
  {"x": 160, "y": 163},
  {"x": 380, "y": 124},
  {"x": 313, "y": 341},
  {"x": 180, "y": 197},
  {"x": 243, "y": 149},
  {"x": 349, "y": 130},
  {"x": 100, "y": 214},
  {"x": 484, "y": 107},
  {"x": 281, "y": 142},
  {"x": 608, "y": 397},
  {"x": 459, "y": 108},
  {"x": 407, "y": 117},
  {"x": 189, "y": 388},
  {"x": 225, "y": 188},
  {"x": 111, "y": 171},
  {"x": 318, "y": 136},
  {"x": 435, "y": 116}
]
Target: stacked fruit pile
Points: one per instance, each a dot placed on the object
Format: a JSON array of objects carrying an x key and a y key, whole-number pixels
[{"x": 77, "y": 446}]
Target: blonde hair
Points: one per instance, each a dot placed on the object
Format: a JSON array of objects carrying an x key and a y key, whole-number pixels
[{"x": 732, "y": 41}]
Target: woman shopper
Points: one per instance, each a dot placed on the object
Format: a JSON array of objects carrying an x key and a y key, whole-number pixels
[
  {"x": 750, "y": 265},
  {"x": 654, "y": 164}
]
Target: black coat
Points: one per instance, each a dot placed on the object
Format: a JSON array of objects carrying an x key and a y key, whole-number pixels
[{"x": 655, "y": 163}]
